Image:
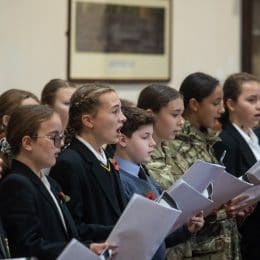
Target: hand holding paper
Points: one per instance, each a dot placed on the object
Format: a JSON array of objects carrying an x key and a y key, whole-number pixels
[
  {"x": 196, "y": 223},
  {"x": 252, "y": 196},
  {"x": 76, "y": 250},
  {"x": 253, "y": 174},
  {"x": 234, "y": 206},
  {"x": 99, "y": 248}
]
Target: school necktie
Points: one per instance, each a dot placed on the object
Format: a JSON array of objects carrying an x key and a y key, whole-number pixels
[{"x": 141, "y": 174}]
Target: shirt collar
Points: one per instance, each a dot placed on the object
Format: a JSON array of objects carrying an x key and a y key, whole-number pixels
[
  {"x": 127, "y": 166},
  {"x": 100, "y": 156},
  {"x": 251, "y": 137}
]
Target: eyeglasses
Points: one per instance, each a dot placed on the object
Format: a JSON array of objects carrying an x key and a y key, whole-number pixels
[{"x": 57, "y": 139}]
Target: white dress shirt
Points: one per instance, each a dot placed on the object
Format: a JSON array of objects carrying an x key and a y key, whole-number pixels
[
  {"x": 48, "y": 187},
  {"x": 251, "y": 139}
]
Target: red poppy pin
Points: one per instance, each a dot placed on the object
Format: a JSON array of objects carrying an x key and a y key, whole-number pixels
[
  {"x": 115, "y": 164},
  {"x": 150, "y": 195},
  {"x": 64, "y": 198}
]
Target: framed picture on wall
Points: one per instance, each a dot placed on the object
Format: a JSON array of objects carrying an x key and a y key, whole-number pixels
[
  {"x": 119, "y": 40},
  {"x": 251, "y": 36}
]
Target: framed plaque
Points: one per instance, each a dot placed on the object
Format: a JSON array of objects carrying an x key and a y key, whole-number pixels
[{"x": 119, "y": 40}]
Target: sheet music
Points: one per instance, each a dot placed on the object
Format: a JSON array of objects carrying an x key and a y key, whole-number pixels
[
  {"x": 188, "y": 200},
  {"x": 253, "y": 174},
  {"x": 201, "y": 173},
  {"x": 76, "y": 250},
  {"x": 142, "y": 228},
  {"x": 225, "y": 186},
  {"x": 253, "y": 194}
]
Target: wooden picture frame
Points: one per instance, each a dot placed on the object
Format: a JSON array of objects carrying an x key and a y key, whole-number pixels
[
  {"x": 119, "y": 40},
  {"x": 246, "y": 36},
  {"x": 251, "y": 37}
]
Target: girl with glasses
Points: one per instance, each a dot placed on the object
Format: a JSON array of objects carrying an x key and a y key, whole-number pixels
[{"x": 32, "y": 206}]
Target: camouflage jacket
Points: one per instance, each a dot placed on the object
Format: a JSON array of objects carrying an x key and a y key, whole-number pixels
[
  {"x": 219, "y": 239},
  {"x": 173, "y": 158},
  {"x": 162, "y": 167},
  {"x": 192, "y": 144}
]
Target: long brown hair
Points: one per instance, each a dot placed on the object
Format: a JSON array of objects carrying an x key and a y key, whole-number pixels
[
  {"x": 26, "y": 121},
  {"x": 157, "y": 96},
  {"x": 10, "y": 100},
  {"x": 232, "y": 89},
  {"x": 50, "y": 90}
]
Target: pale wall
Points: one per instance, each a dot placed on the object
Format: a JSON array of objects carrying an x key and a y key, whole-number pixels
[{"x": 206, "y": 37}]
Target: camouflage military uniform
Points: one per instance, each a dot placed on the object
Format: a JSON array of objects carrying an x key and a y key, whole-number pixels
[
  {"x": 162, "y": 166},
  {"x": 219, "y": 238}
]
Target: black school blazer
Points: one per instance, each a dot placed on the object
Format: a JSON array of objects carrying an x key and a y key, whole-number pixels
[
  {"x": 97, "y": 197},
  {"x": 239, "y": 157},
  {"x": 4, "y": 243},
  {"x": 30, "y": 217}
]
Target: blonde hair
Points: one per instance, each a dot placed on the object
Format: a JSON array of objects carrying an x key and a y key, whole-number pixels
[{"x": 85, "y": 100}]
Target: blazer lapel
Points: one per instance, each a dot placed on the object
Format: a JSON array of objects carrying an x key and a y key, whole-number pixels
[
  {"x": 71, "y": 228},
  {"x": 106, "y": 186},
  {"x": 48, "y": 197},
  {"x": 243, "y": 145},
  {"x": 26, "y": 172},
  {"x": 96, "y": 169}
]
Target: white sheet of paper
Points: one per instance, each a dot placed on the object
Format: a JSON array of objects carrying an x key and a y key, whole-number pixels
[
  {"x": 142, "y": 228},
  {"x": 253, "y": 194},
  {"x": 166, "y": 200},
  {"x": 201, "y": 173},
  {"x": 253, "y": 174},
  {"x": 188, "y": 200},
  {"x": 76, "y": 250},
  {"x": 225, "y": 187}
]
